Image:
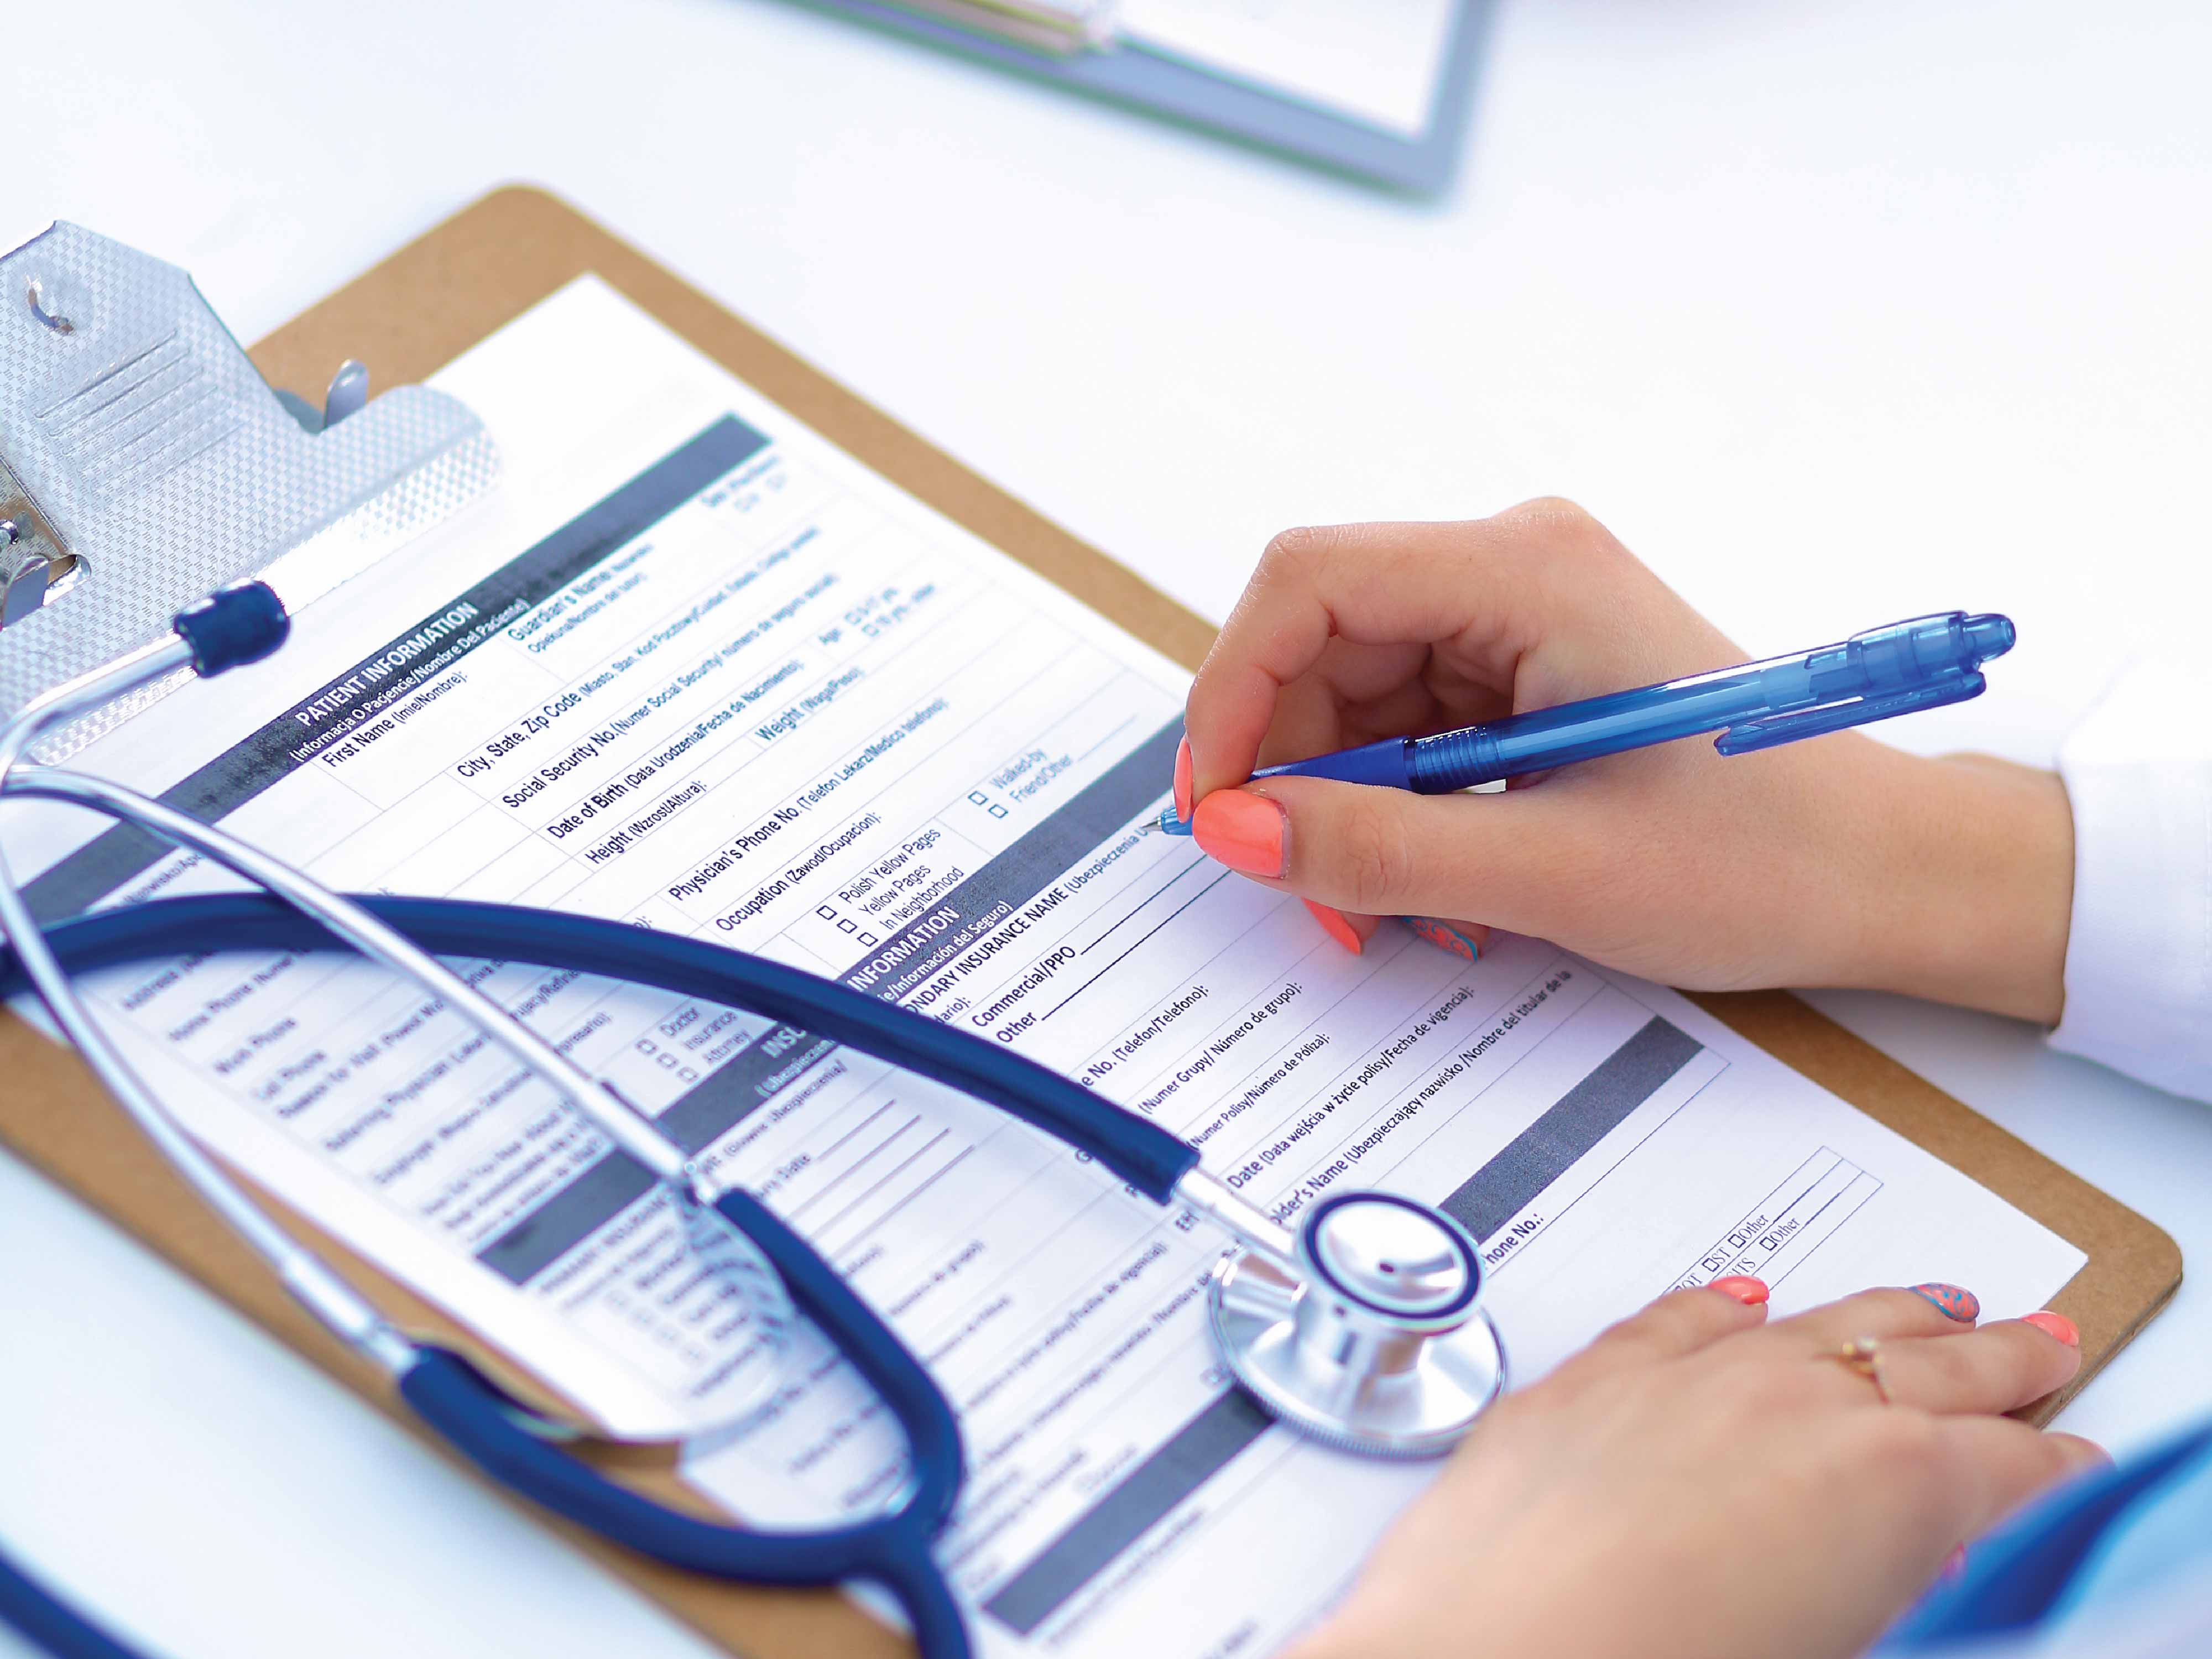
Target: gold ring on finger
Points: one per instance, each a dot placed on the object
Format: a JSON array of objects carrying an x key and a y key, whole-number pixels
[{"x": 1862, "y": 1357}]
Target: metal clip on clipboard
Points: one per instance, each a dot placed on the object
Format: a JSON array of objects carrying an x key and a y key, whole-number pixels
[{"x": 144, "y": 462}]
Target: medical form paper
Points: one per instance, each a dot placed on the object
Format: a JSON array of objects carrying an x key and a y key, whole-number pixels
[{"x": 697, "y": 668}]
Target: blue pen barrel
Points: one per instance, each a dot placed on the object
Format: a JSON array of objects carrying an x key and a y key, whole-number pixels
[
  {"x": 1927, "y": 660},
  {"x": 1544, "y": 737}
]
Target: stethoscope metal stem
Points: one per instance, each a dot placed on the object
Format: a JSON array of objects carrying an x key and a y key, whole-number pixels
[
  {"x": 333, "y": 1302},
  {"x": 1241, "y": 1219}
]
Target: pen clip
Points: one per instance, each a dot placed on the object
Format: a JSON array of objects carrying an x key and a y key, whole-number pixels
[{"x": 1777, "y": 730}]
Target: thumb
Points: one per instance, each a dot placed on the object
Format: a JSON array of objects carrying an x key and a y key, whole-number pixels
[{"x": 1378, "y": 852}]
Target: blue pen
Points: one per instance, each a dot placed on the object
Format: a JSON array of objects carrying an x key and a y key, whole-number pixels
[{"x": 1921, "y": 664}]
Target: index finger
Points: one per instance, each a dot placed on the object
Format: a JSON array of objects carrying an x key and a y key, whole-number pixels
[{"x": 1372, "y": 583}]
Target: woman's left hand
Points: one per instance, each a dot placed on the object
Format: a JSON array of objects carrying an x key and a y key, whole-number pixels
[{"x": 1700, "y": 1483}]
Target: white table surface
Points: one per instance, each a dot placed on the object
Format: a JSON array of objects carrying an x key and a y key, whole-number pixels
[{"x": 1835, "y": 312}]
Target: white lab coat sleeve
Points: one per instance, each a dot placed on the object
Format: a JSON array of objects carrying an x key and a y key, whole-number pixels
[{"x": 2138, "y": 772}]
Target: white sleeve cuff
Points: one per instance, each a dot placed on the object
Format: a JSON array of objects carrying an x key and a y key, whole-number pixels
[{"x": 2139, "y": 956}]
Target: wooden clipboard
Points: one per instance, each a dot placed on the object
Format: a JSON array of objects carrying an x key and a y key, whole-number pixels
[{"x": 432, "y": 300}]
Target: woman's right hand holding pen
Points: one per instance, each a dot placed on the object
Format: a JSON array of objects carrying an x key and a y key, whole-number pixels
[{"x": 1837, "y": 861}]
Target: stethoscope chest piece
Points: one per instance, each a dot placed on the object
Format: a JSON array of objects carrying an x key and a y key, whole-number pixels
[{"x": 1380, "y": 1347}]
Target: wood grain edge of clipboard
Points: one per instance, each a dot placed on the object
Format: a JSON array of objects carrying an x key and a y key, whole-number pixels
[{"x": 430, "y": 301}]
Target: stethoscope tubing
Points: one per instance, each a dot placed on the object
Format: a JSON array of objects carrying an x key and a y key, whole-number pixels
[
  {"x": 487, "y": 1426},
  {"x": 481, "y": 1422},
  {"x": 1140, "y": 1152},
  {"x": 46, "y": 1621},
  {"x": 496, "y": 1433}
]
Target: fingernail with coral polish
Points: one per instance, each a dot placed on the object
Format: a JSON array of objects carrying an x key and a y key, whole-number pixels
[
  {"x": 1952, "y": 1301},
  {"x": 2051, "y": 1324},
  {"x": 1244, "y": 832},
  {"x": 1752, "y": 1292},
  {"x": 1183, "y": 782},
  {"x": 1334, "y": 924},
  {"x": 1445, "y": 937}
]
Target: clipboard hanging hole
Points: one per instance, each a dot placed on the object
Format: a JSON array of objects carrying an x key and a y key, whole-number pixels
[{"x": 49, "y": 302}]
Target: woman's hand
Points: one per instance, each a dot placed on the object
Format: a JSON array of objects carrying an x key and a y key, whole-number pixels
[
  {"x": 1837, "y": 861},
  {"x": 1697, "y": 1484}
]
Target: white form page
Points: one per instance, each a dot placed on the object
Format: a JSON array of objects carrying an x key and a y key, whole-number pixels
[{"x": 696, "y": 668}]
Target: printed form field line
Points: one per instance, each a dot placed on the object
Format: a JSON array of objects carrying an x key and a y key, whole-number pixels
[
  {"x": 1137, "y": 909},
  {"x": 1148, "y": 936}
]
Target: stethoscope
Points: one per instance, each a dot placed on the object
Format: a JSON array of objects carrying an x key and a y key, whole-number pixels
[{"x": 1361, "y": 1329}]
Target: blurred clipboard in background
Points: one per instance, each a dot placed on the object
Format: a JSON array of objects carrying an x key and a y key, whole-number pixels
[{"x": 1380, "y": 89}]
